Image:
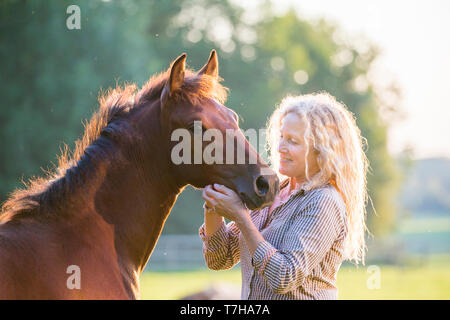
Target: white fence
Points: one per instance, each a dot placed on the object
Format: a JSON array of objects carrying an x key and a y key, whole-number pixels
[
  {"x": 177, "y": 252},
  {"x": 184, "y": 252}
]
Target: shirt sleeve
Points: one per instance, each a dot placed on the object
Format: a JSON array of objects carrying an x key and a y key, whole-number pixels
[
  {"x": 221, "y": 250},
  {"x": 304, "y": 246}
]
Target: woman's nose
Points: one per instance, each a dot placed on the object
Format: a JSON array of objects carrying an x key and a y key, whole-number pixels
[{"x": 282, "y": 146}]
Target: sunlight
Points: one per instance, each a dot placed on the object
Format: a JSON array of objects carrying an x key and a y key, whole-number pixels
[{"x": 413, "y": 53}]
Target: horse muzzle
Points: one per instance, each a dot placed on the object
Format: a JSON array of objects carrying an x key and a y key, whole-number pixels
[{"x": 265, "y": 188}]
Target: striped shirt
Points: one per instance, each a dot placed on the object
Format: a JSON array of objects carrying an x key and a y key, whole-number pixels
[{"x": 302, "y": 252}]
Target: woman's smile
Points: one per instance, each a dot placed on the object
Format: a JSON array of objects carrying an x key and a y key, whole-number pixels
[{"x": 285, "y": 161}]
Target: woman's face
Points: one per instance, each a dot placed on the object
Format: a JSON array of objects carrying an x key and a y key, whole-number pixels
[{"x": 292, "y": 149}]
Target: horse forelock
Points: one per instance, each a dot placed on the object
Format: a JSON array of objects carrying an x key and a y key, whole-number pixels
[{"x": 194, "y": 88}]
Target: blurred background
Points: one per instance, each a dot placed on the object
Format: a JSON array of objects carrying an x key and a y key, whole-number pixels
[{"x": 387, "y": 61}]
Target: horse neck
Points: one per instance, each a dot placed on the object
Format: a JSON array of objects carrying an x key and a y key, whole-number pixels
[{"x": 136, "y": 196}]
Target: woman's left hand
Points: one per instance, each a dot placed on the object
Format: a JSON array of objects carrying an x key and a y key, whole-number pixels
[{"x": 225, "y": 202}]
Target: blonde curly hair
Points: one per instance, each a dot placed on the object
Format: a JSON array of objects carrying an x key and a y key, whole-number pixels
[{"x": 332, "y": 132}]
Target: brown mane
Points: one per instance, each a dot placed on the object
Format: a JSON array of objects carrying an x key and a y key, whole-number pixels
[{"x": 44, "y": 196}]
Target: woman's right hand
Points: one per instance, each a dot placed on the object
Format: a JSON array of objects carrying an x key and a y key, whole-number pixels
[{"x": 208, "y": 205}]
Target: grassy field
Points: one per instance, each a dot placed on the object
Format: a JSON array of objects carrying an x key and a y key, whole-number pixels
[
  {"x": 425, "y": 273},
  {"x": 429, "y": 280}
]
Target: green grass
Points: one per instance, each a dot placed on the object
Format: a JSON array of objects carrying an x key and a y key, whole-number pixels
[
  {"x": 174, "y": 285},
  {"x": 430, "y": 280}
]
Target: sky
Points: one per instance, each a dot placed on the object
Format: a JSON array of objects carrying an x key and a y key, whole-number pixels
[{"x": 414, "y": 38}]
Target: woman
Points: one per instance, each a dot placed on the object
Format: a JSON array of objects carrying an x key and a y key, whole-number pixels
[{"x": 293, "y": 250}]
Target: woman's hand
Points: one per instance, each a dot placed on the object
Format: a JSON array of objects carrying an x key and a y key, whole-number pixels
[{"x": 225, "y": 202}]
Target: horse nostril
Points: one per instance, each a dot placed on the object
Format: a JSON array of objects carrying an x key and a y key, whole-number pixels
[{"x": 261, "y": 186}]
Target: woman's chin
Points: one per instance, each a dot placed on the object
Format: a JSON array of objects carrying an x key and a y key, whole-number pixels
[{"x": 283, "y": 171}]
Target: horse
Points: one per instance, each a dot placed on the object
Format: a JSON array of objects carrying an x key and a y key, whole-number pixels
[{"x": 87, "y": 229}]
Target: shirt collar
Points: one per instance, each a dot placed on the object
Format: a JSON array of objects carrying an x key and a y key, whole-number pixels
[{"x": 298, "y": 188}]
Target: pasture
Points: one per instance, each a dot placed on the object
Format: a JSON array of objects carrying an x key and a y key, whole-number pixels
[{"x": 431, "y": 280}]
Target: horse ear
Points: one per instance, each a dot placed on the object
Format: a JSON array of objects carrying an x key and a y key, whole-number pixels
[
  {"x": 211, "y": 68},
  {"x": 176, "y": 77}
]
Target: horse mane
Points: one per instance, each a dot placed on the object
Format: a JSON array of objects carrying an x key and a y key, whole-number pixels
[{"x": 46, "y": 195}]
